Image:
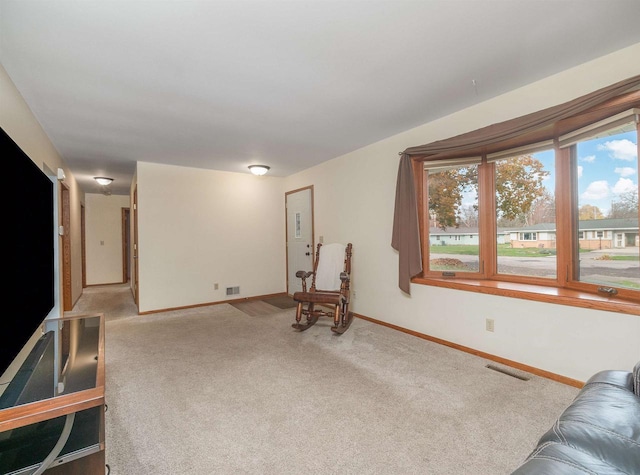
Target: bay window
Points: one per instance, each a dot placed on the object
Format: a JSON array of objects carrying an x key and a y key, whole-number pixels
[
  {"x": 553, "y": 208},
  {"x": 605, "y": 163},
  {"x": 453, "y": 205}
]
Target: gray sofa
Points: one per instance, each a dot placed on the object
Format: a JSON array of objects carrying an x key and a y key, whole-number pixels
[{"x": 599, "y": 433}]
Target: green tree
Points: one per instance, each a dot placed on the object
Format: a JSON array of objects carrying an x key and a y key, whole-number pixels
[
  {"x": 587, "y": 212},
  {"x": 543, "y": 210},
  {"x": 518, "y": 186},
  {"x": 468, "y": 215},
  {"x": 446, "y": 189},
  {"x": 626, "y": 206}
]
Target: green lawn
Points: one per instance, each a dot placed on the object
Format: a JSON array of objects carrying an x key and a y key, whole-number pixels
[
  {"x": 503, "y": 250},
  {"x": 620, "y": 258},
  {"x": 507, "y": 250},
  {"x": 627, "y": 284}
]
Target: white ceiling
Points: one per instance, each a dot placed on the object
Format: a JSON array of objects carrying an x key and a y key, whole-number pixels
[{"x": 224, "y": 84}]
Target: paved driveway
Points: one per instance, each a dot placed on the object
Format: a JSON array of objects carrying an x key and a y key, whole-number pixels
[{"x": 593, "y": 267}]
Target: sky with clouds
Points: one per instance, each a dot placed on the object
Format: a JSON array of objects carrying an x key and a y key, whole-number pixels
[{"x": 607, "y": 167}]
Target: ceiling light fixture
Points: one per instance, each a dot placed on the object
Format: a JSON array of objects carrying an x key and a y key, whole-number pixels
[
  {"x": 259, "y": 169},
  {"x": 103, "y": 180}
]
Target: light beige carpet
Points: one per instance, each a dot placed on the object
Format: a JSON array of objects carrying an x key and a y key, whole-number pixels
[{"x": 213, "y": 390}]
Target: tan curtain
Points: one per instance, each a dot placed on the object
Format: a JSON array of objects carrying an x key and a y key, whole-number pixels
[
  {"x": 406, "y": 239},
  {"x": 406, "y": 233}
]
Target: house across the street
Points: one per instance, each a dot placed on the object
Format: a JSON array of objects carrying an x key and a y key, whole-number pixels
[
  {"x": 461, "y": 235},
  {"x": 593, "y": 234}
]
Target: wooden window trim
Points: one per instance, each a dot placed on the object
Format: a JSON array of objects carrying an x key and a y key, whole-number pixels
[
  {"x": 539, "y": 293},
  {"x": 423, "y": 211},
  {"x": 565, "y": 289}
]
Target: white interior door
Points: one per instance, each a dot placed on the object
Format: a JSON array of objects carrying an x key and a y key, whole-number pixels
[{"x": 299, "y": 236}]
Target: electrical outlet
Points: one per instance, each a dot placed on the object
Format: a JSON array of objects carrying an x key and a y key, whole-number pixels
[
  {"x": 490, "y": 324},
  {"x": 215, "y": 286},
  {"x": 353, "y": 292}
]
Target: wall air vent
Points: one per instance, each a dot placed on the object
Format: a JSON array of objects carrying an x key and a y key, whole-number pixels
[
  {"x": 509, "y": 372},
  {"x": 233, "y": 290}
]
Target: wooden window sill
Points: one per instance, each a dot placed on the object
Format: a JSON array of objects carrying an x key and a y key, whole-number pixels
[{"x": 560, "y": 296}]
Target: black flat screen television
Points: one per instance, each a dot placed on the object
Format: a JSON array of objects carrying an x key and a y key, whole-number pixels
[{"x": 28, "y": 261}]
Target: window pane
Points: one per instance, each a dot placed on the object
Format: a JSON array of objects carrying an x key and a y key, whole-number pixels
[
  {"x": 453, "y": 219},
  {"x": 607, "y": 170},
  {"x": 526, "y": 216}
]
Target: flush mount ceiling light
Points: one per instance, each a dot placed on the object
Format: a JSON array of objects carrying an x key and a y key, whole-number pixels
[
  {"x": 259, "y": 169},
  {"x": 103, "y": 180}
]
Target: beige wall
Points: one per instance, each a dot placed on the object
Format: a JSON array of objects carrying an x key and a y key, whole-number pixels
[
  {"x": 103, "y": 218},
  {"x": 200, "y": 227},
  {"x": 354, "y": 199},
  {"x": 20, "y": 124}
]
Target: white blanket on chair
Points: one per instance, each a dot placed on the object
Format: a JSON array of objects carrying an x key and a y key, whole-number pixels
[{"x": 330, "y": 266}]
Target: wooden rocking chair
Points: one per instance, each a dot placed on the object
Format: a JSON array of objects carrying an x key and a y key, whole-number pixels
[{"x": 329, "y": 287}]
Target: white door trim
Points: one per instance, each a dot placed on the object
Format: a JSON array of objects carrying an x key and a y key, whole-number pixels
[{"x": 290, "y": 229}]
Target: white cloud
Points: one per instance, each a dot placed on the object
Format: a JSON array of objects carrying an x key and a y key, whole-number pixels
[
  {"x": 580, "y": 169},
  {"x": 588, "y": 159},
  {"x": 620, "y": 149},
  {"x": 623, "y": 185},
  {"x": 625, "y": 171},
  {"x": 597, "y": 190}
]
